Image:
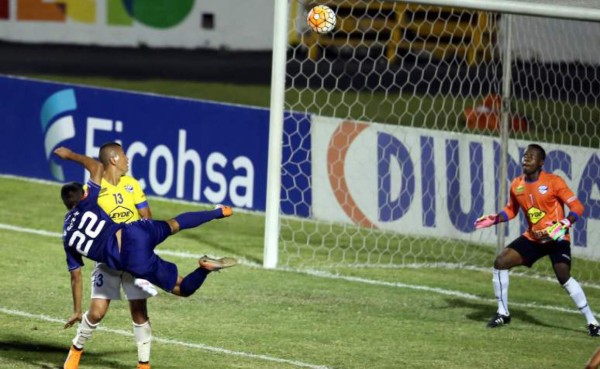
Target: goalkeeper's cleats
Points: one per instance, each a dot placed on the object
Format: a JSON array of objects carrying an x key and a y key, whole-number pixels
[
  {"x": 486, "y": 221},
  {"x": 498, "y": 320},
  {"x": 73, "y": 359},
  {"x": 594, "y": 330},
  {"x": 225, "y": 210},
  {"x": 557, "y": 230},
  {"x": 145, "y": 365},
  {"x": 215, "y": 265}
]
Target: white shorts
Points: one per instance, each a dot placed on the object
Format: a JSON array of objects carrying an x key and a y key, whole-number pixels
[{"x": 106, "y": 284}]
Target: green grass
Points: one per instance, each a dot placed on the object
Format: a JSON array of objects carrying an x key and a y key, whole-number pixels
[
  {"x": 379, "y": 318},
  {"x": 346, "y": 317},
  {"x": 246, "y": 95}
]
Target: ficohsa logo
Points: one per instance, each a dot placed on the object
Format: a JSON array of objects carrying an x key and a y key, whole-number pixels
[{"x": 57, "y": 127}]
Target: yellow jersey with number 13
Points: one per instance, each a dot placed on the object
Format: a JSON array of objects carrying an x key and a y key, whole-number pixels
[{"x": 121, "y": 202}]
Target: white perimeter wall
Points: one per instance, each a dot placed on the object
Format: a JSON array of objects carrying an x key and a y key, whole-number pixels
[
  {"x": 361, "y": 175},
  {"x": 247, "y": 25},
  {"x": 239, "y": 25}
]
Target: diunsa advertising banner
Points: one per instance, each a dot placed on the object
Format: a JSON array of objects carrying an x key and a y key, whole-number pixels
[{"x": 433, "y": 183}]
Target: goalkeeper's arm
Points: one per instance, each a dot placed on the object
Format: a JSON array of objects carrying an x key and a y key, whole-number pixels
[
  {"x": 490, "y": 220},
  {"x": 557, "y": 229},
  {"x": 509, "y": 212}
]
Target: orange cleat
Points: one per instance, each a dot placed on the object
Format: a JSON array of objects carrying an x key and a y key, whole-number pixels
[
  {"x": 214, "y": 265},
  {"x": 143, "y": 366},
  {"x": 73, "y": 359},
  {"x": 226, "y": 210}
]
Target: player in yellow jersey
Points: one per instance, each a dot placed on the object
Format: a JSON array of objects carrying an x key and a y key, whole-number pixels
[{"x": 124, "y": 201}]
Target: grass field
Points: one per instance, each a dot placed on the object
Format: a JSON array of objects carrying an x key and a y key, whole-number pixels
[{"x": 248, "y": 317}]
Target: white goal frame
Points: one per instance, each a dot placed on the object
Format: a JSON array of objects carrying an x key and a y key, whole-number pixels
[{"x": 281, "y": 9}]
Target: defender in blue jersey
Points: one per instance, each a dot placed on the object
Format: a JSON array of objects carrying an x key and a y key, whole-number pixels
[{"x": 88, "y": 231}]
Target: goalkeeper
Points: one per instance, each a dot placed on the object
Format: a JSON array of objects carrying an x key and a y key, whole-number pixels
[{"x": 542, "y": 197}]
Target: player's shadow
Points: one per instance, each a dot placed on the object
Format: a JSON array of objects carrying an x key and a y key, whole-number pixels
[
  {"x": 482, "y": 312},
  {"x": 49, "y": 356}
]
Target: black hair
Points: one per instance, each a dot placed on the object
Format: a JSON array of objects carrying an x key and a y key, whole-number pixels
[
  {"x": 540, "y": 150},
  {"x": 106, "y": 151},
  {"x": 71, "y": 193}
]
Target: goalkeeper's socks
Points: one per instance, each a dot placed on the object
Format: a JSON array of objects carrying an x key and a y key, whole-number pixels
[
  {"x": 578, "y": 297},
  {"x": 196, "y": 218},
  {"x": 500, "y": 281},
  {"x": 193, "y": 281}
]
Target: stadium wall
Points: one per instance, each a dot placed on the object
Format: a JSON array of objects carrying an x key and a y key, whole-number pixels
[
  {"x": 226, "y": 24},
  {"x": 401, "y": 179},
  {"x": 178, "y": 148},
  {"x": 433, "y": 183},
  {"x": 215, "y": 24}
]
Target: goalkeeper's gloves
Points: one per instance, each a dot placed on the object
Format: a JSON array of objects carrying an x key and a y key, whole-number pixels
[
  {"x": 557, "y": 230},
  {"x": 486, "y": 221}
]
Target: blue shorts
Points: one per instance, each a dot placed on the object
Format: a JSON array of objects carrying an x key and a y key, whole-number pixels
[{"x": 138, "y": 240}]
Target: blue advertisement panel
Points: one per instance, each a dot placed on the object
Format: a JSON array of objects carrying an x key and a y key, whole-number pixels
[{"x": 178, "y": 148}]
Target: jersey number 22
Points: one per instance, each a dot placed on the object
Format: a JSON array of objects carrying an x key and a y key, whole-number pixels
[{"x": 89, "y": 234}]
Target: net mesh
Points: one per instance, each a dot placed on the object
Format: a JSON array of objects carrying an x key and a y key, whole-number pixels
[{"x": 400, "y": 151}]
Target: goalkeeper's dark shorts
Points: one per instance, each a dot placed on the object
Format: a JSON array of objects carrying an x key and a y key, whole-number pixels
[{"x": 530, "y": 251}]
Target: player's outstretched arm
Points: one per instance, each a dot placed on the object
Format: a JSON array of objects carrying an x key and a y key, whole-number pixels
[
  {"x": 486, "y": 221},
  {"x": 77, "y": 291},
  {"x": 92, "y": 165}
]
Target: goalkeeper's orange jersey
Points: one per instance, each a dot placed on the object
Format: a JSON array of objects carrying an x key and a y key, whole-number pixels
[{"x": 542, "y": 202}]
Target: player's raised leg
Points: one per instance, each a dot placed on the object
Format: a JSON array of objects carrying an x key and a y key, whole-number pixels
[
  {"x": 192, "y": 282},
  {"x": 197, "y": 218}
]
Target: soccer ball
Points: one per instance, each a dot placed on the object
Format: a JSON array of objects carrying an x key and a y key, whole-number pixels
[{"x": 321, "y": 19}]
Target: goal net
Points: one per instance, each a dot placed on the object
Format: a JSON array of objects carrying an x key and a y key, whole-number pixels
[{"x": 408, "y": 121}]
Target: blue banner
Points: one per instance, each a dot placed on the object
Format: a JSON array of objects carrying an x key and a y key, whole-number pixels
[{"x": 178, "y": 148}]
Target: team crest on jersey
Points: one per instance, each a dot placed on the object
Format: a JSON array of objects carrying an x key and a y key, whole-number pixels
[
  {"x": 543, "y": 189},
  {"x": 520, "y": 189},
  {"x": 121, "y": 214},
  {"x": 535, "y": 215},
  {"x": 129, "y": 188}
]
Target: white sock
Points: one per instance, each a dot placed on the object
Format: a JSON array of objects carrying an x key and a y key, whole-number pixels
[
  {"x": 500, "y": 281},
  {"x": 143, "y": 339},
  {"x": 578, "y": 297},
  {"x": 84, "y": 332}
]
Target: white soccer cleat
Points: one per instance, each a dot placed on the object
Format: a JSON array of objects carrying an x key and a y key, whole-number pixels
[{"x": 145, "y": 286}]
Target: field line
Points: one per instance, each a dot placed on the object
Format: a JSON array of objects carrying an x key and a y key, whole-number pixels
[
  {"x": 169, "y": 341},
  {"x": 328, "y": 275}
]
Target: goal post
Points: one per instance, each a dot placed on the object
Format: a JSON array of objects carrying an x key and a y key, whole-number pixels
[
  {"x": 575, "y": 10},
  {"x": 394, "y": 132},
  {"x": 280, "y": 35}
]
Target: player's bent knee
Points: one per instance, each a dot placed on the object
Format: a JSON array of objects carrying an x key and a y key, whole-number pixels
[
  {"x": 95, "y": 317},
  {"x": 177, "y": 292},
  {"x": 500, "y": 263},
  {"x": 174, "y": 225}
]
